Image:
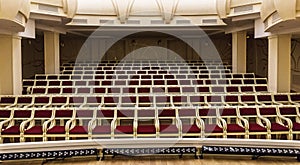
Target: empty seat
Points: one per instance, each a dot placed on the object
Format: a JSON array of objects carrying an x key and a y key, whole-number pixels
[
  {"x": 55, "y": 127},
  {"x": 236, "y": 125},
  {"x": 192, "y": 125},
  {"x": 10, "y": 128},
  {"x": 33, "y": 127},
  {"x": 78, "y": 126},
  {"x": 169, "y": 123},
  {"x": 258, "y": 125},
  {"x": 147, "y": 123},
  {"x": 279, "y": 124},
  {"x": 101, "y": 125},
  {"x": 123, "y": 124},
  {"x": 214, "y": 124}
]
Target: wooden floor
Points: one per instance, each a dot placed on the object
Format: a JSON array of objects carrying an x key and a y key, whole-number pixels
[{"x": 208, "y": 160}]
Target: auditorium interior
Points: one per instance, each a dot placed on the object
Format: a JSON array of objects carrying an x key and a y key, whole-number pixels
[{"x": 150, "y": 81}]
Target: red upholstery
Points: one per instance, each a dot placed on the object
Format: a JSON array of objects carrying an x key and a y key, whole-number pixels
[
  {"x": 296, "y": 126},
  {"x": 234, "y": 128},
  {"x": 22, "y": 113},
  {"x": 146, "y": 129},
  {"x": 124, "y": 129},
  {"x": 278, "y": 127},
  {"x": 173, "y": 89},
  {"x": 83, "y": 90},
  {"x": 253, "y": 127},
  {"x": 261, "y": 88},
  {"x": 99, "y": 90},
  {"x": 128, "y": 99},
  {"x": 232, "y": 89},
  {"x": 249, "y": 81},
  {"x": 105, "y": 113},
  {"x": 64, "y": 113},
  {"x": 281, "y": 98},
  {"x": 190, "y": 129},
  {"x": 188, "y": 89},
  {"x": 22, "y": 100},
  {"x": 217, "y": 89},
  {"x": 59, "y": 99},
  {"x": 84, "y": 113},
  {"x": 57, "y": 130},
  {"x": 76, "y": 100},
  {"x": 146, "y": 113},
  {"x": 168, "y": 129},
  {"x": 13, "y": 130},
  {"x": 53, "y": 90},
  {"x": 213, "y": 128},
  {"x": 196, "y": 99},
  {"x": 228, "y": 112},
  {"x": 102, "y": 129},
  {"x": 111, "y": 99},
  {"x": 288, "y": 111},
  {"x": 214, "y": 99},
  {"x": 162, "y": 99},
  {"x": 207, "y": 112},
  {"x": 248, "y": 111},
  {"x": 295, "y": 97},
  {"x": 43, "y": 113},
  {"x": 166, "y": 113},
  {"x": 187, "y": 112},
  {"x": 158, "y": 89},
  {"x": 125, "y": 113},
  {"x": 34, "y": 130},
  {"x": 203, "y": 89},
  {"x": 247, "y": 98},
  {"x": 264, "y": 98},
  {"x": 79, "y": 130},
  {"x": 41, "y": 99},
  {"x": 267, "y": 111},
  {"x": 231, "y": 98},
  {"x": 247, "y": 89},
  {"x": 5, "y": 113}
]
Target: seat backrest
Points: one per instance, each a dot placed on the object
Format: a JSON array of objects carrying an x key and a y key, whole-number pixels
[
  {"x": 264, "y": 98},
  {"x": 281, "y": 97},
  {"x": 105, "y": 113},
  {"x": 191, "y": 112},
  {"x": 44, "y": 113},
  {"x": 59, "y": 99},
  {"x": 207, "y": 112},
  {"x": 227, "y": 111},
  {"x": 94, "y": 100},
  {"x": 63, "y": 113},
  {"x": 248, "y": 111},
  {"x": 288, "y": 110},
  {"x": 22, "y": 114},
  {"x": 146, "y": 113},
  {"x": 24, "y": 100},
  {"x": 166, "y": 113},
  {"x": 41, "y": 99},
  {"x": 125, "y": 113},
  {"x": 268, "y": 111},
  {"x": 5, "y": 113}
]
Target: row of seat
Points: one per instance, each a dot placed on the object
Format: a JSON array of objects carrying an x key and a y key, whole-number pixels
[
  {"x": 181, "y": 122},
  {"x": 139, "y": 63},
  {"x": 146, "y": 68},
  {"x": 144, "y": 89},
  {"x": 148, "y": 100},
  {"x": 145, "y": 82},
  {"x": 136, "y": 76},
  {"x": 151, "y": 72}
]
